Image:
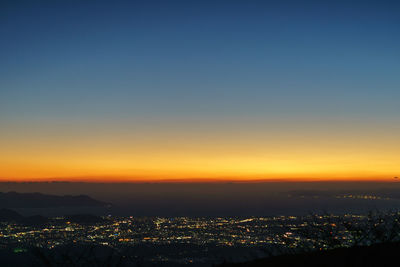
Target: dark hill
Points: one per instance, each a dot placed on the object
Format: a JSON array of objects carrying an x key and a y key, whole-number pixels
[
  {"x": 7, "y": 215},
  {"x": 38, "y": 200},
  {"x": 35, "y": 220},
  {"x": 84, "y": 219},
  {"x": 10, "y": 216},
  {"x": 385, "y": 254}
]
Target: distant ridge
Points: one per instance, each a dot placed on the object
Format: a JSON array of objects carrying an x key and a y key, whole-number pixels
[
  {"x": 11, "y": 216},
  {"x": 7, "y": 215},
  {"x": 38, "y": 200}
]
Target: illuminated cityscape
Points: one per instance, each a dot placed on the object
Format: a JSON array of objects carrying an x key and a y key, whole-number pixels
[{"x": 193, "y": 236}]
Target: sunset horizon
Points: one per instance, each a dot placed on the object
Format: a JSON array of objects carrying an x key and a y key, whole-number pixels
[
  {"x": 199, "y": 133},
  {"x": 308, "y": 149},
  {"x": 185, "y": 91},
  {"x": 130, "y": 179}
]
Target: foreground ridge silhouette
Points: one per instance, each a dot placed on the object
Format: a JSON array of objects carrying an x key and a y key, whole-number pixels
[{"x": 384, "y": 254}]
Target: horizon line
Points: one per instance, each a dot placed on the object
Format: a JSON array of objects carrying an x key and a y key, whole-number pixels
[{"x": 119, "y": 180}]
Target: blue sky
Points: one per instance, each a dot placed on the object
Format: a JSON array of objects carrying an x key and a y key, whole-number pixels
[
  {"x": 72, "y": 59},
  {"x": 199, "y": 89}
]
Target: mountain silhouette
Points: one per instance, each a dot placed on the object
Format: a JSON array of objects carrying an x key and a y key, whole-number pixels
[
  {"x": 382, "y": 254},
  {"x": 10, "y": 216},
  {"x": 38, "y": 200},
  {"x": 7, "y": 215},
  {"x": 84, "y": 219}
]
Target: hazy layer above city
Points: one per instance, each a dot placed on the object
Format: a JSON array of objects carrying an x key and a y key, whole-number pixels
[{"x": 223, "y": 199}]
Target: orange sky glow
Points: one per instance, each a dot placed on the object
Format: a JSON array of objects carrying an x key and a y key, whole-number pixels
[{"x": 186, "y": 151}]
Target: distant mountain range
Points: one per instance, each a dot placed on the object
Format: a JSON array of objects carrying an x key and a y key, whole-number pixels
[
  {"x": 7, "y": 215},
  {"x": 10, "y": 216},
  {"x": 38, "y": 200}
]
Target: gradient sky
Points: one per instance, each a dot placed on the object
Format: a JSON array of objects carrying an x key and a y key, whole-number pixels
[{"x": 146, "y": 90}]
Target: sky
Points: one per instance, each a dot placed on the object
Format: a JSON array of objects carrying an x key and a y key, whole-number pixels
[{"x": 199, "y": 90}]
